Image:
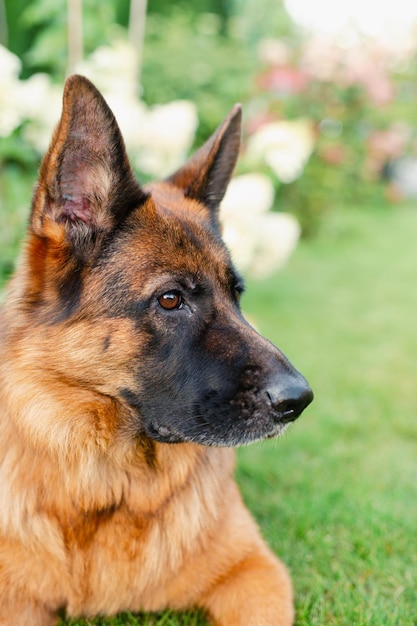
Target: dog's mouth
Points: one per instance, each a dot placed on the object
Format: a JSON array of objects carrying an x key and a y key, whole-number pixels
[
  {"x": 277, "y": 431},
  {"x": 164, "y": 433},
  {"x": 219, "y": 435}
]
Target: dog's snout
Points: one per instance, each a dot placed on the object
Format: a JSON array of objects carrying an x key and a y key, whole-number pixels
[{"x": 288, "y": 402}]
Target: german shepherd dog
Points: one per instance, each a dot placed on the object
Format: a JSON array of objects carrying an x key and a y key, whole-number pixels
[{"x": 127, "y": 374}]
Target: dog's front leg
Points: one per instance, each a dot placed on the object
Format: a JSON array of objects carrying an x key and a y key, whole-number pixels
[
  {"x": 256, "y": 592},
  {"x": 249, "y": 586}
]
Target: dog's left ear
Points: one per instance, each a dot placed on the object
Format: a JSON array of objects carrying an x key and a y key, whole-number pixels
[
  {"x": 86, "y": 185},
  {"x": 207, "y": 173}
]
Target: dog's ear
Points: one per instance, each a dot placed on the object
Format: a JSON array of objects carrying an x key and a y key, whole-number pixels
[
  {"x": 207, "y": 173},
  {"x": 86, "y": 185}
]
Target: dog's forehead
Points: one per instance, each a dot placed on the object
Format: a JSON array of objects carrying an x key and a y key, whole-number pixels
[
  {"x": 171, "y": 234},
  {"x": 170, "y": 200}
]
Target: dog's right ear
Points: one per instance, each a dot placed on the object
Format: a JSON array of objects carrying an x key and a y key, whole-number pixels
[
  {"x": 207, "y": 173},
  {"x": 86, "y": 185}
]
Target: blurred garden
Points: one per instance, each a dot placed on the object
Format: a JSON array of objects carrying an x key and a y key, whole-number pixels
[{"x": 321, "y": 217}]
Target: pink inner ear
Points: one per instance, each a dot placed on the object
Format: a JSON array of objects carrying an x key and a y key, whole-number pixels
[
  {"x": 77, "y": 210},
  {"x": 75, "y": 185}
]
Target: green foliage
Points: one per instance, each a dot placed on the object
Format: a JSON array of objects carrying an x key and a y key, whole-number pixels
[
  {"x": 15, "y": 190},
  {"x": 344, "y": 118},
  {"x": 207, "y": 55},
  {"x": 260, "y": 20},
  {"x": 323, "y": 186},
  {"x": 49, "y": 18},
  {"x": 13, "y": 149},
  {"x": 20, "y": 34},
  {"x": 208, "y": 52},
  {"x": 186, "y": 57}
]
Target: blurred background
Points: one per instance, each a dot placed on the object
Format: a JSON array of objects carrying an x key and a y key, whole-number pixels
[
  {"x": 321, "y": 218},
  {"x": 329, "y": 97}
]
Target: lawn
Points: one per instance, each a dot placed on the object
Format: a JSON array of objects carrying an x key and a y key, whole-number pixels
[{"x": 336, "y": 497}]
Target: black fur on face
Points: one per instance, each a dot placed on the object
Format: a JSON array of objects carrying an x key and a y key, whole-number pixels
[
  {"x": 204, "y": 374},
  {"x": 214, "y": 393}
]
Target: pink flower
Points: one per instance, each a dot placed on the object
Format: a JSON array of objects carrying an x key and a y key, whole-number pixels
[{"x": 283, "y": 79}]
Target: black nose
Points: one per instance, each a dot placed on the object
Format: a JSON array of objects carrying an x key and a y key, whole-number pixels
[{"x": 289, "y": 401}]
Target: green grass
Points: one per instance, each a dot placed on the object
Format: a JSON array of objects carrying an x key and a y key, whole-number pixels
[{"x": 336, "y": 497}]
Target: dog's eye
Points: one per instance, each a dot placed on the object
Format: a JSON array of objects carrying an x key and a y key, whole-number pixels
[
  {"x": 237, "y": 289},
  {"x": 237, "y": 293},
  {"x": 170, "y": 300}
]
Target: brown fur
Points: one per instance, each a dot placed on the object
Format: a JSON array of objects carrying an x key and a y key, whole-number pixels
[{"x": 96, "y": 516}]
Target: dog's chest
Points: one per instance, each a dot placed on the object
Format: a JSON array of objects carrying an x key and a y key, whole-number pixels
[{"x": 123, "y": 558}]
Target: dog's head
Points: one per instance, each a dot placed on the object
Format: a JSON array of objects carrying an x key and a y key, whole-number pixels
[{"x": 134, "y": 297}]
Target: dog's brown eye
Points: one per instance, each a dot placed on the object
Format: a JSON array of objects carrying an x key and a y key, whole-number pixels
[{"x": 170, "y": 300}]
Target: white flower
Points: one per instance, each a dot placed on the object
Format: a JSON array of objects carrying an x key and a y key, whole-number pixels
[
  {"x": 10, "y": 115},
  {"x": 40, "y": 103},
  {"x": 278, "y": 237},
  {"x": 157, "y": 138},
  {"x": 34, "y": 100},
  {"x": 10, "y": 64},
  {"x": 112, "y": 69},
  {"x": 260, "y": 241},
  {"x": 284, "y": 146},
  {"x": 274, "y": 51},
  {"x": 164, "y": 137}
]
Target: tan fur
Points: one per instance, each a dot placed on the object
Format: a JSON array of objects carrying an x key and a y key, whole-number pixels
[
  {"x": 94, "y": 527},
  {"x": 93, "y": 521}
]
